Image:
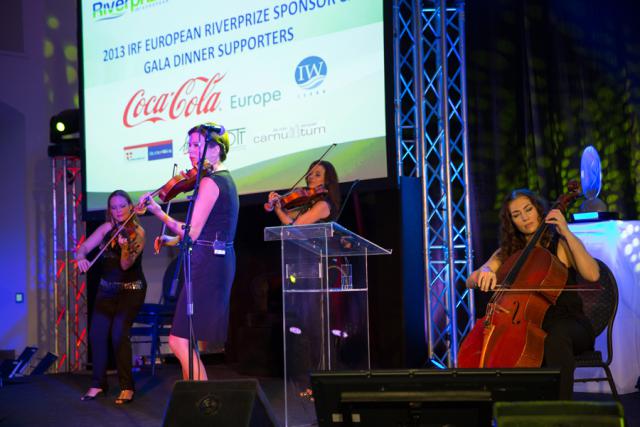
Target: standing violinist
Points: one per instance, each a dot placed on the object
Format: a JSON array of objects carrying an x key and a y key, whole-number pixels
[
  {"x": 213, "y": 260},
  {"x": 569, "y": 332},
  {"x": 121, "y": 293},
  {"x": 322, "y": 179}
]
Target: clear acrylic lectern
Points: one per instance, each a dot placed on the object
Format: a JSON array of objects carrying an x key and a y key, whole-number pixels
[{"x": 324, "y": 307}]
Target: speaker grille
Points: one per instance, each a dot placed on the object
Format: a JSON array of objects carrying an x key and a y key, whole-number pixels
[{"x": 218, "y": 403}]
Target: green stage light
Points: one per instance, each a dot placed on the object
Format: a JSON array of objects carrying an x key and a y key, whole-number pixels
[
  {"x": 65, "y": 126},
  {"x": 64, "y": 133}
]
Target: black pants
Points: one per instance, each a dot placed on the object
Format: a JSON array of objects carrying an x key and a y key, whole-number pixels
[
  {"x": 113, "y": 316},
  {"x": 565, "y": 338}
]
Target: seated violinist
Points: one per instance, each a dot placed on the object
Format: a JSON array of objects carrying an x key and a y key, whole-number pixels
[
  {"x": 323, "y": 206},
  {"x": 568, "y": 330}
]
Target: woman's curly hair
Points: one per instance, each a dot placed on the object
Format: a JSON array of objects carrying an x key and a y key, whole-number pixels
[{"x": 511, "y": 239}]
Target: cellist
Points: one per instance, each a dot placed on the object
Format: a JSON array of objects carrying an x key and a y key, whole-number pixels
[{"x": 568, "y": 330}]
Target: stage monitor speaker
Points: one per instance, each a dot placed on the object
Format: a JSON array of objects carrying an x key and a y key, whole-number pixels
[
  {"x": 218, "y": 403},
  {"x": 45, "y": 363},
  {"x": 558, "y": 413},
  {"x": 14, "y": 368},
  {"x": 425, "y": 397}
]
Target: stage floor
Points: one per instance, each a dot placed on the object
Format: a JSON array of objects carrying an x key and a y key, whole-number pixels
[{"x": 54, "y": 400}]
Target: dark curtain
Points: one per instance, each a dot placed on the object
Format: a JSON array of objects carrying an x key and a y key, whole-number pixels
[{"x": 545, "y": 80}]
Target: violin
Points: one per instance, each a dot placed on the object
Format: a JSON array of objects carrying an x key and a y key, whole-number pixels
[
  {"x": 184, "y": 182},
  {"x": 297, "y": 198},
  {"x": 181, "y": 183},
  {"x": 127, "y": 231},
  {"x": 510, "y": 335}
]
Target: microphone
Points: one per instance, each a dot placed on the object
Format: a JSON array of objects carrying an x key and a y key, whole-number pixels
[
  {"x": 346, "y": 198},
  {"x": 211, "y": 128}
]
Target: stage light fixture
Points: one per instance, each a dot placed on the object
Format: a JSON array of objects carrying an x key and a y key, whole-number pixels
[
  {"x": 65, "y": 126},
  {"x": 64, "y": 133}
]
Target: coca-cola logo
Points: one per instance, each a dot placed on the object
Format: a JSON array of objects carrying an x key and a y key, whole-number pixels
[{"x": 196, "y": 96}]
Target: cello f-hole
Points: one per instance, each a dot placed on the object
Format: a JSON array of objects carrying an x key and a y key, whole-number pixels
[{"x": 515, "y": 313}]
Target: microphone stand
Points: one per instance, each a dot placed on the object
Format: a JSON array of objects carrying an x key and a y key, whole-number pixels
[
  {"x": 344, "y": 203},
  {"x": 176, "y": 272},
  {"x": 186, "y": 246}
]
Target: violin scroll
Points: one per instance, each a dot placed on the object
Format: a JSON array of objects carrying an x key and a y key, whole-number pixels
[
  {"x": 565, "y": 200},
  {"x": 272, "y": 202}
]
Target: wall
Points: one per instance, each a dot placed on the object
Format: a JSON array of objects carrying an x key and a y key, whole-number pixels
[
  {"x": 39, "y": 78},
  {"x": 20, "y": 106}
]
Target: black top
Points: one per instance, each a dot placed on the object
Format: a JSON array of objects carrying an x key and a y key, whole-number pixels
[
  {"x": 569, "y": 304},
  {"x": 333, "y": 212},
  {"x": 111, "y": 269},
  {"x": 223, "y": 219},
  {"x": 211, "y": 274}
]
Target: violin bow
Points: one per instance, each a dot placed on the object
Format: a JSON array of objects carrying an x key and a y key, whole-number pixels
[
  {"x": 566, "y": 288},
  {"x": 164, "y": 224}
]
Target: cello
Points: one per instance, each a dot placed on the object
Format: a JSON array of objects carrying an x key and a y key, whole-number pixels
[{"x": 510, "y": 334}]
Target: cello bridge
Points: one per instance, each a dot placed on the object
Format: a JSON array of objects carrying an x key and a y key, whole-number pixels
[{"x": 496, "y": 307}]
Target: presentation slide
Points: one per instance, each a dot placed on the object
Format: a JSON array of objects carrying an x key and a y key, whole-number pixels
[{"x": 286, "y": 79}]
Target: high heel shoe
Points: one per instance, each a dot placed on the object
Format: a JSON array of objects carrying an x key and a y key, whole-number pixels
[
  {"x": 121, "y": 400},
  {"x": 87, "y": 396}
]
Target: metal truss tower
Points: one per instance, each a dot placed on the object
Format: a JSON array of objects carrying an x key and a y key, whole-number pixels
[
  {"x": 69, "y": 291},
  {"x": 431, "y": 132}
]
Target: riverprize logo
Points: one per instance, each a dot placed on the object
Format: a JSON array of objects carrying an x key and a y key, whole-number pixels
[
  {"x": 311, "y": 72},
  {"x": 105, "y": 10}
]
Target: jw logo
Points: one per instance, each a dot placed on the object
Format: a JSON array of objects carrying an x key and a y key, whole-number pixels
[{"x": 311, "y": 72}]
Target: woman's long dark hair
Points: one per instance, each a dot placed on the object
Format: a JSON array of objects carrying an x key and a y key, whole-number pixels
[
  {"x": 126, "y": 196},
  {"x": 331, "y": 184},
  {"x": 511, "y": 239}
]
